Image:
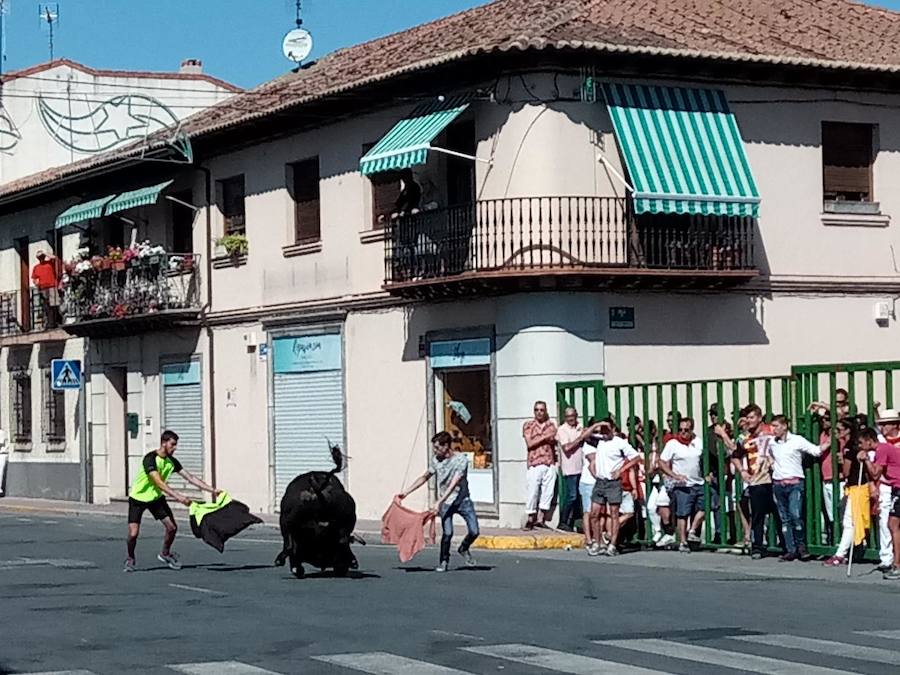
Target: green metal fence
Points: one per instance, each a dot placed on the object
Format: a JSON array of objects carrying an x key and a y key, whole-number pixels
[
  {"x": 866, "y": 386},
  {"x": 665, "y": 403}
]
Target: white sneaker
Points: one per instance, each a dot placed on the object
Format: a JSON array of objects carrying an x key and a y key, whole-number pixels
[
  {"x": 657, "y": 537},
  {"x": 693, "y": 537},
  {"x": 665, "y": 540},
  {"x": 594, "y": 549},
  {"x": 612, "y": 551},
  {"x": 171, "y": 560},
  {"x": 443, "y": 567},
  {"x": 604, "y": 539}
]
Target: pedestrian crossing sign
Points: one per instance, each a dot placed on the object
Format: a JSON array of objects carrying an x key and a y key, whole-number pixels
[{"x": 65, "y": 374}]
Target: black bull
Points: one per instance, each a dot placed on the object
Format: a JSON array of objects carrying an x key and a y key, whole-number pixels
[{"x": 317, "y": 520}]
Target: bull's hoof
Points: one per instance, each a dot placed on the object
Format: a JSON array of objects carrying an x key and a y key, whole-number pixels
[
  {"x": 298, "y": 571},
  {"x": 354, "y": 563},
  {"x": 280, "y": 559}
]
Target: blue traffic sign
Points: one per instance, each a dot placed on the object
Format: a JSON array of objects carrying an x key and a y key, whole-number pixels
[{"x": 65, "y": 374}]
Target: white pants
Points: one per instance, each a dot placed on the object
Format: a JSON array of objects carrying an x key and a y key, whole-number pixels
[
  {"x": 846, "y": 544},
  {"x": 884, "y": 534},
  {"x": 3, "y": 459},
  {"x": 541, "y": 482},
  {"x": 658, "y": 497}
]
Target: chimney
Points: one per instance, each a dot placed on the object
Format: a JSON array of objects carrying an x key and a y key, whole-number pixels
[{"x": 191, "y": 67}]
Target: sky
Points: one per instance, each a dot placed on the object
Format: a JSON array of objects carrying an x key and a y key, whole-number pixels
[{"x": 237, "y": 40}]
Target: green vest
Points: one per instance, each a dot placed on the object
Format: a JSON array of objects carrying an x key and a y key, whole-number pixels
[{"x": 143, "y": 489}]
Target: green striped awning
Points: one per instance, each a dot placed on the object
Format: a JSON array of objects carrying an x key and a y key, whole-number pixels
[
  {"x": 81, "y": 212},
  {"x": 140, "y": 197},
  {"x": 682, "y": 149},
  {"x": 408, "y": 143}
]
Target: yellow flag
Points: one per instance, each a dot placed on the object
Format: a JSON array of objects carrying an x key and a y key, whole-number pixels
[{"x": 858, "y": 502}]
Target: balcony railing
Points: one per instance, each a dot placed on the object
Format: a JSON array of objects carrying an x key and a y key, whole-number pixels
[
  {"x": 30, "y": 314},
  {"x": 562, "y": 235},
  {"x": 141, "y": 288}
]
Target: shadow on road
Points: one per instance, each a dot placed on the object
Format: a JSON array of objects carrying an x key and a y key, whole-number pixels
[{"x": 476, "y": 568}]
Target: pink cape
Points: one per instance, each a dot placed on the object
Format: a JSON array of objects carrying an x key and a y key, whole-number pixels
[{"x": 407, "y": 530}]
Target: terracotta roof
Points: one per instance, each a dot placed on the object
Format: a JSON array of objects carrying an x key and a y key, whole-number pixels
[
  {"x": 823, "y": 34},
  {"x": 99, "y": 72}
]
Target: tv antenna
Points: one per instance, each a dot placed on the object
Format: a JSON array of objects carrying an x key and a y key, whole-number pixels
[
  {"x": 49, "y": 14},
  {"x": 4, "y": 10},
  {"x": 298, "y": 43}
]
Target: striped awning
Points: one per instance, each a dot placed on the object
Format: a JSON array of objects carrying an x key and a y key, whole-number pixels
[
  {"x": 682, "y": 149},
  {"x": 83, "y": 211},
  {"x": 140, "y": 197},
  {"x": 408, "y": 142}
]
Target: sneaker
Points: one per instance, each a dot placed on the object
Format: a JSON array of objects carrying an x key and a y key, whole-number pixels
[
  {"x": 594, "y": 549},
  {"x": 835, "y": 561},
  {"x": 693, "y": 537},
  {"x": 130, "y": 565},
  {"x": 756, "y": 555},
  {"x": 893, "y": 575},
  {"x": 884, "y": 568},
  {"x": 171, "y": 560},
  {"x": 684, "y": 548},
  {"x": 788, "y": 557},
  {"x": 657, "y": 537},
  {"x": 604, "y": 538},
  {"x": 467, "y": 558},
  {"x": 612, "y": 551},
  {"x": 665, "y": 540},
  {"x": 588, "y": 545},
  {"x": 803, "y": 555},
  {"x": 443, "y": 567},
  {"x": 565, "y": 527}
]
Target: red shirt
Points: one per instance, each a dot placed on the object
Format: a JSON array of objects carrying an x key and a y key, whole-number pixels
[
  {"x": 887, "y": 456},
  {"x": 545, "y": 453},
  {"x": 44, "y": 275}
]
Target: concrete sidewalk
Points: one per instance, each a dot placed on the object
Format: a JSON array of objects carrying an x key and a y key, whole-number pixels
[{"x": 491, "y": 538}]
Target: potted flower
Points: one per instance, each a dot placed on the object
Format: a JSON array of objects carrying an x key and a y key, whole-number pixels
[
  {"x": 116, "y": 258},
  {"x": 235, "y": 245}
]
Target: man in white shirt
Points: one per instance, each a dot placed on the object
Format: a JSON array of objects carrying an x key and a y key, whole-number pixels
[
  {"x": 787, "y": 452},
  {"x": 607, "y": 456},
  {"x": 682, "y": 461},
  {"x": 4, "y": 456}
]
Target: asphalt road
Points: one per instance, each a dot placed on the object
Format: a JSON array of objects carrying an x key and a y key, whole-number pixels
[{"x": 66, "y": 605}]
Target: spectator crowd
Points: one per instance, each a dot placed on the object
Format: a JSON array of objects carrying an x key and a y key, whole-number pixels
[{"x": 665, "y": 487}]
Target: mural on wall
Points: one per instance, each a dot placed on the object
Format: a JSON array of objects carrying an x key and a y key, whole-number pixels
[
  {"x": 9, "y": 133},
  {"x": 114, "y": 122}
]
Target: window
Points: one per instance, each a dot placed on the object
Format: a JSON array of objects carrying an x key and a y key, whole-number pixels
[
  {"x": 385, "y": 192},
  {"x": 303, "y": 180},
  {"x": 847, "y": 157},
  {"x": 53, "y": 419},
  {"x": 231, "y": 203},
  {"x": 21, "y": 406}
]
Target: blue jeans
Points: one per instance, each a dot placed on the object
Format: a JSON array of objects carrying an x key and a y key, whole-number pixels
[
  {"x": 465, "y": 508},
  {"x": 569, "y": 509},
  {"x": 789, "y": 500}
]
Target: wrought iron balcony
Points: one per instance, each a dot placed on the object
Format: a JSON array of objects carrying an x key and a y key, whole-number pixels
[
  {"x": 25, "y": 315},
  {"x": 546, "y": 242},
  {"x": 114, "y": 297}
]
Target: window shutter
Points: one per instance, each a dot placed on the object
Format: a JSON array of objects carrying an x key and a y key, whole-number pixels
[
  {"x": 308, "y": 219},
  {"x": 385, "y": 192},
  {"x": 847, "y": 155}
]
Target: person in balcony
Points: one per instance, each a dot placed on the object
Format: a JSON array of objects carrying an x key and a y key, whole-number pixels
[
  {"x": 410, "y": 197},
  {"x": 46, "y": 281}
]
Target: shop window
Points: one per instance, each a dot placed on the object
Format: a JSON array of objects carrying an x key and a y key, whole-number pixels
[
  {"x": 231, "y": 202},
  {"x": 463, "y": 402},
  {"x": 848, "y": 152},
  {"x": 303, "y": 180},
  {"x": 20, "y": 405},
  {"x": 53, "y": 419}
]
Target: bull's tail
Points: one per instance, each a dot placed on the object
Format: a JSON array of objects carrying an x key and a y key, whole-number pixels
[{"x": 338, "y": 458}]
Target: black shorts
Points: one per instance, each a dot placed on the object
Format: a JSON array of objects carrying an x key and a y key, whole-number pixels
[
  {"x": 158, "y": 508},
  {"x": 895, "y": 503}
]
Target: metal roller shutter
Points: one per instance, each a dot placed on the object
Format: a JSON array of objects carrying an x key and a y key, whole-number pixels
[
  {"x": 183, "y": 414},
  {"x": 309, "y": 408}
]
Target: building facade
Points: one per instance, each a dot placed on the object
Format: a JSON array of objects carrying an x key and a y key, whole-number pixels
[{"x": 583, "y": 217}]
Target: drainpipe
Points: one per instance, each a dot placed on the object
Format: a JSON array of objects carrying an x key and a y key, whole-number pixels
[{"x": 210, "y": 343}]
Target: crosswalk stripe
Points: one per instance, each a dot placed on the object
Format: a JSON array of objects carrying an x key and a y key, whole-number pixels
[
  {"x": 220, "y": 668},
  {"x": 561, "y": 662},
  {"x": 717, "y": 657},
  {"x": 825, "y": 647},
  {"x": 64, "y": 672},
  {"x": 889, "y": 634},
  {"x": 382, "y": 663}
]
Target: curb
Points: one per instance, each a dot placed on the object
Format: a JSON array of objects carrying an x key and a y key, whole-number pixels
[{"x": 528, "y": 542}]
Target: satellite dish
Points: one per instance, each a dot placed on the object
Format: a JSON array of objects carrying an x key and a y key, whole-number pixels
[{"x": 297, "y": 45}]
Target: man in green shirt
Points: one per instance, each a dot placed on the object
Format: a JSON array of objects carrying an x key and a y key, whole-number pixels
[{"x": 148, "y": 493}]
